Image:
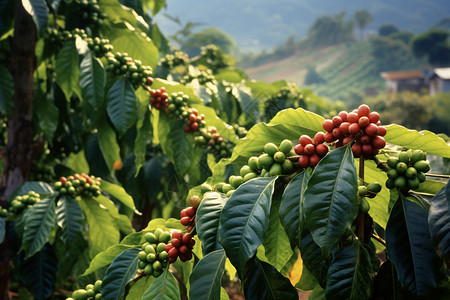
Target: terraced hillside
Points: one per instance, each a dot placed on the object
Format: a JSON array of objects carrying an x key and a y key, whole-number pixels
[{"x": 347, "y": 68}]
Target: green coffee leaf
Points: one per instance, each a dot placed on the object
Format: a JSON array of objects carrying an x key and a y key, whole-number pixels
[
  {"x": 164, "y": 288},
  {"x": 69, "y": 218},
  {"x": 330, "y": 204},
  {"x": 207, "y": 275},
  {"x": 245, "y": 219}
]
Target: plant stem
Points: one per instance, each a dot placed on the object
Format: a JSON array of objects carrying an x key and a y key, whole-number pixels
[
  {"x": 361, "y": 216},
  {"x": 379, "y": 239},
  {"x": 438, "y": 175}
]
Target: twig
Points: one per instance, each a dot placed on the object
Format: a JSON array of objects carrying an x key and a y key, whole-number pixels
[
  {"x": 361, "y": 215},
  {"x": 379, "y": 239}
]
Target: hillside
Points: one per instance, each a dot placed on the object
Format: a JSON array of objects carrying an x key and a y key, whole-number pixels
[
  {"x": 348, "y": 69},
  {"x": 264, "y": 24}
]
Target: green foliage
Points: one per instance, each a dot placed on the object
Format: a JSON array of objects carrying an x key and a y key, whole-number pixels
[
  {"x": 387, "y": 29},
  {"x": 330, "y": 30},
  {"x": 433, "y": 45},
  {"x": 210, "y": 35}
]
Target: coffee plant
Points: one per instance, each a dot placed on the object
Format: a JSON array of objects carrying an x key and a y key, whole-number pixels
[{"x": 131, "y": 171}]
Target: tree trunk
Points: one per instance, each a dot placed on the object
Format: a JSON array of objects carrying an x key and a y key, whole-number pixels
[{"x": 20, "y": 148}]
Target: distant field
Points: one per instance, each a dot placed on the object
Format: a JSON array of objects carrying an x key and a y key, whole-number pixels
[{"x": 344, "y": 67}]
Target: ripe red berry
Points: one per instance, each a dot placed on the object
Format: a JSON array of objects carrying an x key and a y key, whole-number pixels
[
  {"x": 337, "y": 133},
  {"x": 343, "y": 115},
  {"x": 194, "y": 111},
  {"x": 190, "y": 227},
  {"x": 305, "y": 140},
  {"x": 363, "y": 110},
  {"x": 374, "y": 117},
  {"x": 354, "y": 129},
  {"x": 190, "y": 211},
  {"x": 328, "y": 125},
  {"x": 191, "y": 243},
  {"x": 347, "y": 140},
  {"x": 336, "y": 121},
  {"x": 173, "y": 252},
  {"x": 299, "y": 149},
  {"x": 194, "y": 126},
  {"x": 195, "y": 201},
  {"x": 168, "y": 247},
  {"x": 310, "y": 149},
  {"x": 149, "y": 80},
  {"x": 352, "y": 117},
  {"x": 319, "y": 138},
  {"x": 357, "y": 149},
  {"x": 177, "y": 235},
  {"x": 63, "y": 180},
  {"x": 382, "y": 131},
  {"x": 378, "y": 142},
  {"x": 183, "y": 249},
  {"x": 314, "y": 160},
  {"x": 365, "y": 139},
  {"x": 371, "y": 129},
  {"x": 176, "y": 243},
  {"x": 186, "y": 238},
  {"x": 344, "y": 128},
  {"x": 303, "y": 161},
  {"x": 363, "y": 121},
  {"x": 329, "y": 137},
  {"x": 192, "y": 118},
  {"x": 185, "y": 221},
  {"x": 367, "y": 149},
  {"x": 183, "y": 213},
  {"x": 338, "y": 144},
  {"x": 187, "y": 128},
  {"x": 322, "y": 150}
]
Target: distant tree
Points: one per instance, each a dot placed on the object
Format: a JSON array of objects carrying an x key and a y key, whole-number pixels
[
  {"x": 387, "y": 29},
  {"x": 362, "y": 18},
  {"x": 312, "y": 77},
  {"x": 433, "y": 45},
  {"x": 390, "y": 54},
  {"x": 330, "y": 30},
  {"x": 404, "y": 36},
  {"x": 210, "y": 35}
]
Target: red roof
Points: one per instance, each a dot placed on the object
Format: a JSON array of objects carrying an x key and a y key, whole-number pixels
[{"x": 402, "y": 75}]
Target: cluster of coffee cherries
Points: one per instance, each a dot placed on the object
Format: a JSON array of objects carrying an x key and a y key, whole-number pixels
[
  {"x": 194, "y": 120},
  {"x": 178, "y": 58},
  {"x": 203, "y": 77},
  {"x": 41, "y": 171},
  {"x": 180, "y": 246},
  {"x": 178, "y": 105},
  {"x": 122, "y": 65},
  {"x": 187, "y": 215},
  {"x": 406, "y": 172},
  {"x": 91, "y": 12},
  {"x": 20, "y": 203},
  {"x": 214, "y": 57},
  {"x": 216, "y": 144},
  {"x": 79, "y": 185},
  {"x": 91, "y": 292},
  {"x": 100, "y": 47},
  {"x": 369, "y": 191},
  {"x": 360, "y": 127},
  {"x": 158, "y": 99},
  {"x": 310, "y": 150},
  {"x": 153, "y": 257},
  {"x": 240, "y": 131},
  {"x": 57, "y": 37}
]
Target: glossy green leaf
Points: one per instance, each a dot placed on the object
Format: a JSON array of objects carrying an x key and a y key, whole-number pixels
[
  {"x": 287, "y": 124},
  {"x": 67, "y": 69},
  {"x": 263, "y": 281},
  {"x": 106, "y": 257},
  {"x": 245, "y": 219},
  {"x": 430, "y": 187},
  {"x": 6, "y": 91},
  {"x": 312, "y": 258},
  {"x": 291, "y": 209},
  {"x": 226, "y": 131},
  {"x": 107, "y": 142},
  {"x": 122, "y": 269},
  {"x": 276, "y": 242},
  {"x": 163, "y": 288},
  {"x": 350, "y": 274},
  {"x": 137, "y": 290},
  {"x": 39, "y": 272},
  {"x": 156, "y": 5},
  {"x": 424, "y": 140},
  {"x": 207, "y": 275},
  {"x": 207, "y": 221},
  {"x": 143, "y": 137},
  {"x": 122, "y": 105},
  {"x": 176, "y": 144},
  {"x": 2, "y": 229},
  {"x": 103, "y": 230},
  {"x": 46, "y": 114},
  {"x": 119, "y": 193},
  {"x": 38, "y": 226},
  {"x": 248, "y": 105},
  {"x": 379, "y": 206},
  {"x": 409, "y": 247},
  {"x": 38, "y": 10},
  {"x": 439, "y": 220},
  {"x": 262, "y": 90},
  {"x": 123, "y": 222},
  {"x": 92, "y": 80},
  {"x": 307, "y": 281},
  {"x": 69, "y": 218},
  {"x": 42, "y": 188},
  {"x": 330, "y": 204}
]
